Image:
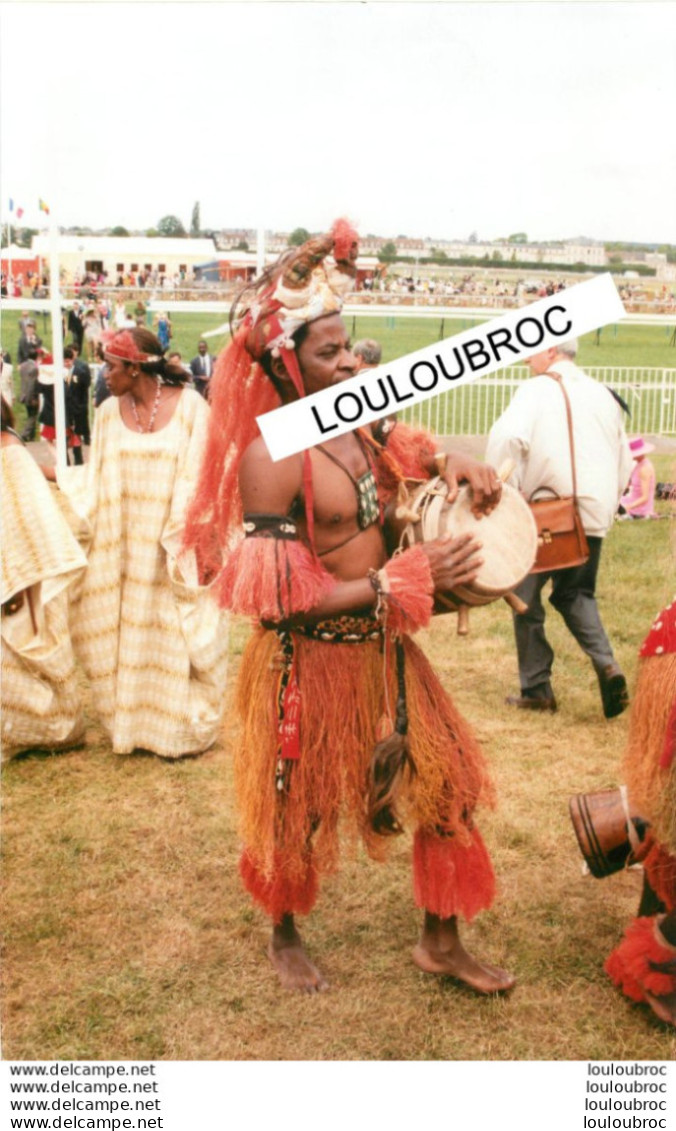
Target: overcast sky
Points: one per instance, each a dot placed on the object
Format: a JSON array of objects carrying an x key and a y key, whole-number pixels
[{"x": 556, "y": 119}]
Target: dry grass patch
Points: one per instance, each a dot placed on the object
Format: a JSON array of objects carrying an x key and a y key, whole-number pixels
[{"x": 127, "y": 935}]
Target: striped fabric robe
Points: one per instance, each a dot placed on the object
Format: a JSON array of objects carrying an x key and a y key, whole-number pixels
[{"x": 152, "y": 641}]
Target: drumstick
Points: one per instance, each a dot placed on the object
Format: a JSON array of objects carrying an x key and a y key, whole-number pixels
[
  {"x": 456, "y": 607},
  {"x": 515, "y": 602},
  {"x": 506, "y": 469}
]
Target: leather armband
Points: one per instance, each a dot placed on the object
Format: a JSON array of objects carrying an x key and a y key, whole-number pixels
[{"x": 270, "y": 526}]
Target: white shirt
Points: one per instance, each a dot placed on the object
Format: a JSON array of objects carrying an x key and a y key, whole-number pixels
[{"x": 533, "y": 432}]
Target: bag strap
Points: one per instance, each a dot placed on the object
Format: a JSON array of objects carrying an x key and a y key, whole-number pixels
[{"x": 569, "y": 418}]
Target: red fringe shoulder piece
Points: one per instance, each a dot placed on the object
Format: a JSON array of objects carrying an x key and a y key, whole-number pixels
[
  {"x": 412, "y": 448},
  {"x": 408, "y": 455}
]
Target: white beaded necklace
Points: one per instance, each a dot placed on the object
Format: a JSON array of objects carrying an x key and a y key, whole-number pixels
[{"x": 153, "y": 414}]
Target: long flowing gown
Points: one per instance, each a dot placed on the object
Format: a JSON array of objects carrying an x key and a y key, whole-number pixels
[
  {"x": 153, "y": 641},
  {"x": 41, "y": 697}
]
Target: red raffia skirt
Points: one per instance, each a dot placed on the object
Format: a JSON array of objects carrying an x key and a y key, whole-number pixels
[{"x": 292, "y": 835}]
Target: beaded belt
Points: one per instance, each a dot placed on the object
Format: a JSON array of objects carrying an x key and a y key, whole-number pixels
[{"x": 342, "y": 630}]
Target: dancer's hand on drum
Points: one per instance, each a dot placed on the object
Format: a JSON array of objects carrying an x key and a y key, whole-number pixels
[
  {"x": 453, "y": 560},
  {"x": 483, "y": 479}
]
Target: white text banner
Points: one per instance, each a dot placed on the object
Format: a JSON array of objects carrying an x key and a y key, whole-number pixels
[{"x": 435, "y": 369}]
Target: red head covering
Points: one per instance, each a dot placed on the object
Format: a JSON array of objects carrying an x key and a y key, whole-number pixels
[{"x": 120, "y": 344}]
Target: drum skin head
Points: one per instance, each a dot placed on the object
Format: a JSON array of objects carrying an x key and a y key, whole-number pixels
[{"x": 508, "y": 536}]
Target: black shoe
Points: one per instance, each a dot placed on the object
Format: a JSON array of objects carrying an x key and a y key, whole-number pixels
[
  {"x": 614, "y": 693},
  {"x": 532, "y": 702}
]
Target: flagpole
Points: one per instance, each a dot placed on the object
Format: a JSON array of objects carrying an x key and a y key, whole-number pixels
[
  {"x": 9, "y": 258},
  {"x": 260, "y": 251},
  {"x": 57, "y": 346}
]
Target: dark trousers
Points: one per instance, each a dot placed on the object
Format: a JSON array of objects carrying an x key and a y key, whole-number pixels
[
  {"x": 81, "y": 426},
  {"x": 573, "y": 596},
  {"x": 31, "y": 424}
]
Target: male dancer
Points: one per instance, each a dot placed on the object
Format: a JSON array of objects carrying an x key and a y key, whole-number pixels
[{"x": 341, "y": 711}]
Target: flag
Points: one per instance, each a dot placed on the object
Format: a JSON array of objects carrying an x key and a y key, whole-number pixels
[
  {"x": 19, "y": 213},
  {"x": 11, "y": 204},
  {"x": 43, "y": 207}
]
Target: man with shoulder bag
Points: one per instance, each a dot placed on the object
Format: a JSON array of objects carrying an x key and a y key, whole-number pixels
[{"x": 565, "y": 434}]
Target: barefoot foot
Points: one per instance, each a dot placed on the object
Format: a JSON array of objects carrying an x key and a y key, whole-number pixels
[
  {"x": 294, "y": 969},
  {"x": 479, "y": 976},
  {"x": 440, "y": 951}
]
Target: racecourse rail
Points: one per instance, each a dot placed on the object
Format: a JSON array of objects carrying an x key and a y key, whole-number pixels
[{"x": 470, "y": 410}]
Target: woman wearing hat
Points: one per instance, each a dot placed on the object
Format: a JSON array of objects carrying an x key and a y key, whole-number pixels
[{"x": 637, "y": 501}]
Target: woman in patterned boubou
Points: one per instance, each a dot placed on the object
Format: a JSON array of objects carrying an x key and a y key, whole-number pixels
[{"x": 152, "y": 641}]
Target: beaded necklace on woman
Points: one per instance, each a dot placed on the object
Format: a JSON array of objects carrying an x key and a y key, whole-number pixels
[{"x": 153, "y": 413}]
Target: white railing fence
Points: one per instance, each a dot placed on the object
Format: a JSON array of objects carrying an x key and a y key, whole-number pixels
[{"x": 471, "y": 410}]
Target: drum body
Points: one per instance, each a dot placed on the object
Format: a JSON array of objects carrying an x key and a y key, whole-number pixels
[
  {"x": 508, "y": 536},
  {"x": 608, "y": 831}
]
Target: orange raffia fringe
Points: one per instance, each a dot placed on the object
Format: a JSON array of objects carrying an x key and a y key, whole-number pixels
[
  {"x": 669, "y": 748},
  {"x": 342, "y": 697},
  {"x": 652, "y": 787},
  {"x": 660, "y": 869},
  {"x": 450, "y": 878},
  {"x": 410, "y": 591},
  {"x": 239, "y": 392},
  {"x": 272, "y": 578},
  {"x": 279, "y": 896},
  {"x": 629, "y": 964}
]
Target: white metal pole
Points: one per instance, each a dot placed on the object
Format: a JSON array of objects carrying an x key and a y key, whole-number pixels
[
  {"x": 260, "y": 251},
  {"x": 57, "y": 345},
  {"x": 10, "y": 289}
]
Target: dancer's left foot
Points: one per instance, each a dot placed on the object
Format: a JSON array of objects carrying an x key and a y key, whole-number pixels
[{"x": 441, "y": 952}]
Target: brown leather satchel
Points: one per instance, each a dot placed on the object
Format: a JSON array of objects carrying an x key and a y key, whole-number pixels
[{"x": 562, "y": 542}]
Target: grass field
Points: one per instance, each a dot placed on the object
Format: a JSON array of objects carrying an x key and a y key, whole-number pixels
[
  {"x": 621, "y": 345},
  {"x": 471, "y": 409},
  {"x": 127, "y": 935}
]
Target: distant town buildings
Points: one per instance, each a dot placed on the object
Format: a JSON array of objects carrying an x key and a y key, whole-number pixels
[
  {"x": 120, "y": 256},
  {"x": 235, "y": 249}
]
